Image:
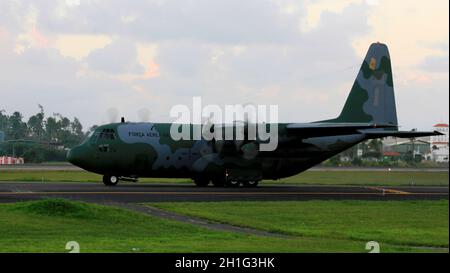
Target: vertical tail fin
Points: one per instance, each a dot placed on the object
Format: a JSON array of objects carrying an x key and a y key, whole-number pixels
[{"x": 371, "y": 98}]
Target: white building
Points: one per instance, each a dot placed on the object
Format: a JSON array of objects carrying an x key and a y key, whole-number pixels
[
  {"x": 8, "y": 160},
  {"x": 439, "y": 144}
]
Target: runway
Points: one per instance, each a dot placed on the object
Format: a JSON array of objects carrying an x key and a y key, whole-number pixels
[
  {"x": 138, "y": 193},
  {"x": 70, "y": 167}
]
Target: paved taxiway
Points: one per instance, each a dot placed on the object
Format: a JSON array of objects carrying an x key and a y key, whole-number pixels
[{"x": 135, "y": 192}]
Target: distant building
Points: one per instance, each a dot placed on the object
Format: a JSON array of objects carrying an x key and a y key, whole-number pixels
[
  {"x": 391, "y": 155},
  {"x": 9, "y": 160},
  {"x": 404, "y": 147},
  {"x": 439, "y": 144}
]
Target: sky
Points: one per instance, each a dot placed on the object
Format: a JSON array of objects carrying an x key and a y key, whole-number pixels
[{"x": 99, "y": 60}]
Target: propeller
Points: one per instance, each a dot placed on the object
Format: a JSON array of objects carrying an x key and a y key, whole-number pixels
[
  {"x": 244, "y": 147},
  {"x": 249, "y": 147},
  {"x": 208, "y": 128}
]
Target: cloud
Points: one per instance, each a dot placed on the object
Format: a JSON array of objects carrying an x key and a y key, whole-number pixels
[
  {"x": 319, "y": 58},
  {"x": 44, "y": 76},
  {"x": 3, "y": 34},
  {"x": 14, "y": 15},
  {"x": 182, "y": 59},
  {"x": 157, "y": 53},
  {"x": 438, "y": 64},
  {"x": 38, "y": 38},
  {"x": 198, "y": 53},
  {"x": 153, "y": 70},
  {"x": 421, "y": 102},
  {"x": 222, "y": 21},
  {"x": 118, "y": 57},
  {"x": 79, "y": 46}
]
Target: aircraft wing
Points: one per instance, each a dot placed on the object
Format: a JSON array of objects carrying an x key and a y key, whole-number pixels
[{"x": 320, "y": 129}]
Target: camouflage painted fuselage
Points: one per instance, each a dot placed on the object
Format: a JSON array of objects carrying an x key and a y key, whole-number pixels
[{"x": 147, "y": 150}]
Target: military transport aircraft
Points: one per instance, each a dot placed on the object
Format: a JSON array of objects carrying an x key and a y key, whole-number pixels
[{"x": 127, "y": 150}]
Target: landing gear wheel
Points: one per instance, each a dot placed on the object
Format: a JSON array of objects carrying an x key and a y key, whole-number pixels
[
  {"x": 110, "y": 180},
  {"x": 233, "y": 183},
  {"x": 251, "y": 183},
  {"x": 201, "y": 182}
]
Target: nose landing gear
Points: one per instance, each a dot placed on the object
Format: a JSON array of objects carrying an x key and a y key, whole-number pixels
[{"x": 110, "y": 180}]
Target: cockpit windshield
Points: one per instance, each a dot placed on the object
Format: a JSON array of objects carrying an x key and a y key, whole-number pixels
[
  {"x": 88, "y": 137},
  {"x": 107, "y": 134},
  {"x": 104, "y": 134}
]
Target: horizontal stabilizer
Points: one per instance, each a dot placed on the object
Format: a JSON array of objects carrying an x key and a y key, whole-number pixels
[
  {"x": 400, "y": 134},
  {"x": 320, "y": 129}
]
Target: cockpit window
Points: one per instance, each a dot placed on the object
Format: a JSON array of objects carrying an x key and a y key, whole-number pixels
[
  {"x": 88, "y": 137},
  {"x": 107, "y": 134},
  {"x": 93, "y": 137}
]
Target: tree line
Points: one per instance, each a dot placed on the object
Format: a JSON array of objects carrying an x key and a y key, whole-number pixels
[{"x": 41, "y": 138}]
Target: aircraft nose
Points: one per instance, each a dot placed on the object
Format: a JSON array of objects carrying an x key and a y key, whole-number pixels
[{"x": 74, "y": 155}]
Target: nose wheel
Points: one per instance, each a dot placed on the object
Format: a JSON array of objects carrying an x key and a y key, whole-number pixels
[{"x": 110, "y": 180}]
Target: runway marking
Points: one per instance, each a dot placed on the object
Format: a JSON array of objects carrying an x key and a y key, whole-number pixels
[
  {"x": 384, "y": 190},
  {"x": 217, "y": 193}
]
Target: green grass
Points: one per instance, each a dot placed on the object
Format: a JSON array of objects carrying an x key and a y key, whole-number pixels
[
  {"x": 419, "y": 223},
  {"x": 377, "y": 178},
  {"x": 47, "y": 225}
]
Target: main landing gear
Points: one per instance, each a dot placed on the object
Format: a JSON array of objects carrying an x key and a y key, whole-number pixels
[
  {"x": 244, "y": 183},
  {"x": 222, "y": 182}
]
